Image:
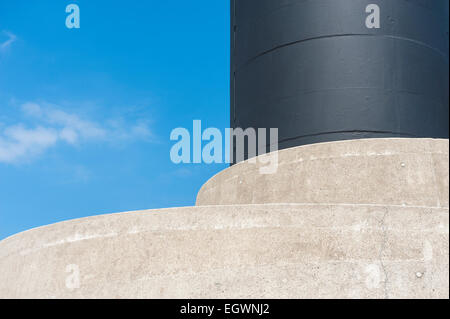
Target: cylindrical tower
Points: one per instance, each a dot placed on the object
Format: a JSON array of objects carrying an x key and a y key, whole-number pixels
[{"x": 327, "y": 70}]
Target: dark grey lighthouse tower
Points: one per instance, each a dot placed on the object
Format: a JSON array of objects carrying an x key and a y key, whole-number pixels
[{"x": 316, "y": 71}]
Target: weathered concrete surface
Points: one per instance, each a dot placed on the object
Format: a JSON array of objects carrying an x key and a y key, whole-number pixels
[
  {"x": 356, "y": 219},
  {"x": 373, "y": 171},
  {"x": 250, "y": 251}
]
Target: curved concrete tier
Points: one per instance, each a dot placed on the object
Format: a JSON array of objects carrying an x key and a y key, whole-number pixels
[
  {"x": 359, "y": 219},
  {"x": 250, "y": 251},
  {"x": 392, "y": 171}
]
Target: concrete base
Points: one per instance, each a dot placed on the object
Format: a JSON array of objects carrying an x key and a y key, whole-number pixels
[
  {"x": 393, "y": 171},
  {"x": 290, "y": 250}
]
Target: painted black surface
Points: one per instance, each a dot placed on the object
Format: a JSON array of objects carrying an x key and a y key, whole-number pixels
[{"x": 314, "y": 70}]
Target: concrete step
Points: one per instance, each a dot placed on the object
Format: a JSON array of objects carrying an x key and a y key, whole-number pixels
[
  {"x": 394, "y": 171},
  {"x": 236, "y": 251}
]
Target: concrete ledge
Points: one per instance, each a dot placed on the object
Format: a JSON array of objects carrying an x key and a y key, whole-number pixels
[
  {"x": 356, "y": 219},
  {"x": 397, "y": 171},
  {"x": 249, "y": 251}
]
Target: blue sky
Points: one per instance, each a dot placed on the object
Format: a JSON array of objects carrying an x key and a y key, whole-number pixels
[{"x": 86, "y": 114}]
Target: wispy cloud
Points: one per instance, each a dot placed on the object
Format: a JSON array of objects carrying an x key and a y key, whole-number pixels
[
  {"x": 18, "y": 141},
  {"x": 71, "y": 127},
  {"x": 11, "y": 39},
  {"x": 52, "y": 125}
]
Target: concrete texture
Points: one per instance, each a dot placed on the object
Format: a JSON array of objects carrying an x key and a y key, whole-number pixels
[
  {"x": 352, "y": 245},
  {"x": 372, "y": 171},
  {"x": 250, "y": 251}
]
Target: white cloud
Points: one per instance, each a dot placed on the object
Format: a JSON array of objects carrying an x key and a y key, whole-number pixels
[
  {"x": 11, "y": 39},
  {"x": 69, "y": 135},
  {"x": 72, "y": 126},
  {"x": 32, "y": 109},
  {"x": 53, "y": 125},
  {"x": 17, "y": 142}
]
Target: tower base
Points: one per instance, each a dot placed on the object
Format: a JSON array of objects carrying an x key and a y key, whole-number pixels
[{"x": 323, "y": 238}]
